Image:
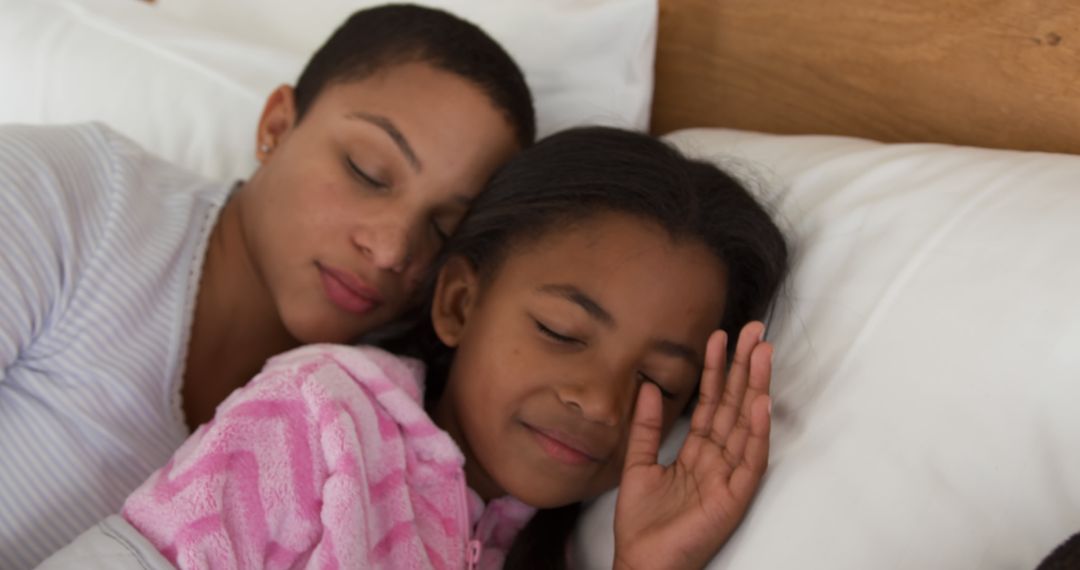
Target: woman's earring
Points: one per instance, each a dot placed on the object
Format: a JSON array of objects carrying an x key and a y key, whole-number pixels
[{"x": 264, "y": 148}]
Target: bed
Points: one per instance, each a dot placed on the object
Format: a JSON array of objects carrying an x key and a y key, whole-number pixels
[{"x": 921, "y": 155}]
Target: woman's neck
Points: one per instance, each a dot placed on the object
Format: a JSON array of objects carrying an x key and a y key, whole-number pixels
[{"x": 236, "y": 325}]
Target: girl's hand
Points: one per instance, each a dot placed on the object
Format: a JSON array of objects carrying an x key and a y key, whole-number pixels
[{"x": 680, "y": 515}]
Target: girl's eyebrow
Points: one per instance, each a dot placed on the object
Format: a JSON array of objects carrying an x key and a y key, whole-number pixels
[
  {"x": 595, "y": 310},
  {"x": 680, "y": 351},
  {"x": 581, "y": 299}
]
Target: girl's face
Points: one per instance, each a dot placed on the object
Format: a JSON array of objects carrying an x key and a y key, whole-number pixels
[
  {"x": 353, "y": 201},
  {"x": 551, "y": 351}
]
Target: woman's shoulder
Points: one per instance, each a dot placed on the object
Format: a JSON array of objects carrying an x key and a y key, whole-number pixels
[
  {"x": 41, "y": 165},
  {"x": 55, "y": 209},
  {"x": 83, "y": 155},
  {"x": 59, "y": 143},
  {"x": 46, "y": 141},
  {"x": 84, "y": 210},
  {"x": 78, "y": 178},
  {"x": 85, "y": 158}
]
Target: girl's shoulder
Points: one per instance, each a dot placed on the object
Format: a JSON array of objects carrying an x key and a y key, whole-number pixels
[
  {"x": 345, "y": 371},
  {"x": 362, "y": 382}
]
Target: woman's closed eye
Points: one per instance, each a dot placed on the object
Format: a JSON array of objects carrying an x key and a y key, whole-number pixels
[
  {"x": 366, "y": 178},
  {"x": 440, "y": 233}
]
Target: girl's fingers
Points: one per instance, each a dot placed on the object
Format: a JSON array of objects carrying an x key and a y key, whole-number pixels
[
  {"x": 760, "y": 376},
  {"x": 731, "y": 404},
  {"x": 758, "y": 380},
  {"x": 746, "y": 477},
  {"x": 712, "y": 382},
  {"x": 645, "y": 428}
]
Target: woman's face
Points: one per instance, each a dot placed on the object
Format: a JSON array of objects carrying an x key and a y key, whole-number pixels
[
  {"x": 552, "y": 349},
  {"x": 353, "y": 201}
]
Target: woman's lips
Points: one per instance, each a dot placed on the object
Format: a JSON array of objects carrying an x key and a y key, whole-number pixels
[
  {"x": 562, "y": 448},
  {"x": 347, "y": 291}
]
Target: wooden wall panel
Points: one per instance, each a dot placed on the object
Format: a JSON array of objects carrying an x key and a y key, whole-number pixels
[{"x": 996, "y": 73}]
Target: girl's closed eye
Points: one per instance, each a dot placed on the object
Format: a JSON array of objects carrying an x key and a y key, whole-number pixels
[
  {"x": 667, "y": 394},
  {"x": 364, "y": 177},
  {"x": 553, "y": 335}
]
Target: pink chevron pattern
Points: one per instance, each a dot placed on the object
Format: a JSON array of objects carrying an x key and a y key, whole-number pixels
[{"x": 325, "y": 460}]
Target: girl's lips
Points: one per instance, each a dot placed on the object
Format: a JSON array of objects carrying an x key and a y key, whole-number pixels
[
  {"x": 560, "y": 448},
  {"x": 347, "y": 291}
]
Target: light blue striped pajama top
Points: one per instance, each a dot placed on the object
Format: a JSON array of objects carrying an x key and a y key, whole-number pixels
[{"x": 101, "y": 248}]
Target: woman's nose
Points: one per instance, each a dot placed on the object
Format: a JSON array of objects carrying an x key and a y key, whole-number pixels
[{"x": 387, "y": 247}]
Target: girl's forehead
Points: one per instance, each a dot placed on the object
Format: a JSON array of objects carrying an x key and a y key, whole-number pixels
[
  {"x": 627, "y": 265},
  {"x": 611, "y": 242}
]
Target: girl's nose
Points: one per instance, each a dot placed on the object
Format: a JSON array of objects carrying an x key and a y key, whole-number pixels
[{"x": 596, "y": 398}]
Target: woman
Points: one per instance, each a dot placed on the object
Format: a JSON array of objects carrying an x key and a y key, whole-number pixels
[{"x": 135, "y": 296}]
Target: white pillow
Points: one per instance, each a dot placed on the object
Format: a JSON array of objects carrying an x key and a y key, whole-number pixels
[
  {"x": 927, "y": 374},
  {"x": 586, "y": 61},
  {"x": 191, "y": 96},
  {"x": 193, "y": 93}
]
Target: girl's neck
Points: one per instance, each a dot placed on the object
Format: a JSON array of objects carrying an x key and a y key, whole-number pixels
[
  {"x": 235, "y": 327},
  {"x": 442, "y": 413}
]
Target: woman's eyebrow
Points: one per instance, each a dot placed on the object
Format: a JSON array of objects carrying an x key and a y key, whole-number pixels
[
  {"x": 394, "y": 133},
  {"x": 581, "y": 299}
]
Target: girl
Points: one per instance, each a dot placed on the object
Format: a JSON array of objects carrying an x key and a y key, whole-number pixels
[
  {"x": 134, "y": 296},
  {"x": 575, "y": 312}
]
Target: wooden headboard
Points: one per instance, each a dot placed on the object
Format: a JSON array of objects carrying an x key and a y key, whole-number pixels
[{"x": 994, "y": 73}]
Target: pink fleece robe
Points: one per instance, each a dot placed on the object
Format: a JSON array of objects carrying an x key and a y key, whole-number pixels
[{"x": 325, "y": 460}]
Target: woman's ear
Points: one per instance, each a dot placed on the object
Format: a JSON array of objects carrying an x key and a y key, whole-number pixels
[
  {"x": 456, "y": 293},
  {"x": 278, "y": 117}
]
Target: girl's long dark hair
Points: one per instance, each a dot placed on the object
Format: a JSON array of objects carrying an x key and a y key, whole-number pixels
[{"x": 576, "y": 174}]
